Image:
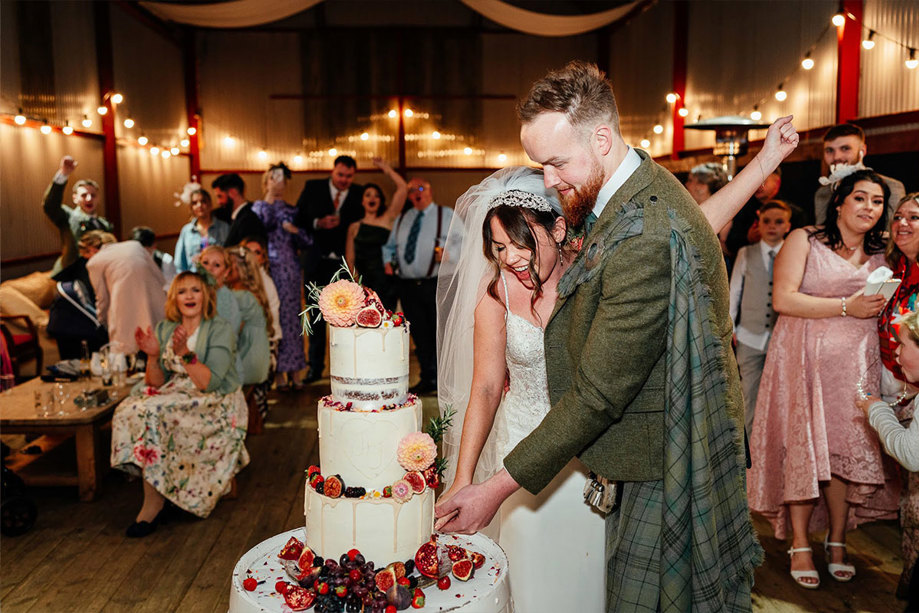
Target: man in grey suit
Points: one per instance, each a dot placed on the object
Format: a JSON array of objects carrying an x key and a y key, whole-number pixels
[{"x": 642, "y": 379}]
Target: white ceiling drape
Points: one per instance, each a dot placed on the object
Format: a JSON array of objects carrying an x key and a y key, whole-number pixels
[
  {"x": 540, "y": 24},
  {"x": 233, "y": 14},
  {"x": 248, "y": 13}
]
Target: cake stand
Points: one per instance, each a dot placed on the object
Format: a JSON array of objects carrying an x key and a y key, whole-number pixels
[{"x": 486, "y": 592}]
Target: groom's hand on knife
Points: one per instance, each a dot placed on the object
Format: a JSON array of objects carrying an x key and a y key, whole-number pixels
[{"x": 473, "y": 507}]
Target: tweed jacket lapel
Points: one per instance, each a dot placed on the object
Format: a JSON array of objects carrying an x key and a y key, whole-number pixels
[{"x": 594, "y": 246}]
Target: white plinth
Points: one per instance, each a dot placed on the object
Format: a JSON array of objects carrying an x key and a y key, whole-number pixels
[{"x": 486, "y": 592}]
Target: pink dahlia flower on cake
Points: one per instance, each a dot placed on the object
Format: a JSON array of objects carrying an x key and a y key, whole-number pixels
[
  {"x": 340, "y": 302},
  {"x": 417, "y": 451},
  {"x": 402, "y": 490}
]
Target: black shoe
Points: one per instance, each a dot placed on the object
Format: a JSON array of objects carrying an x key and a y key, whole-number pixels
[
  {"x": 140, "y": 529},
  {"x": 312, "y": 376},
  {"x": 424, "y": 388}
]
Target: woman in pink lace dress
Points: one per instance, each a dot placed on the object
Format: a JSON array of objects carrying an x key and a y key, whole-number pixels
[{"x": 816, "y": 462}]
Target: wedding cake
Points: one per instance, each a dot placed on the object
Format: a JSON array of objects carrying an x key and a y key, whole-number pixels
[{"x": 372, "y": 488}]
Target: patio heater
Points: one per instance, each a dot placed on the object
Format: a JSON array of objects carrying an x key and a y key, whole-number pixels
[{"x": 730, "y": 137}]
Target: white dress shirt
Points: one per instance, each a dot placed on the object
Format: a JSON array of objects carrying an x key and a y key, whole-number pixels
[
  {"x": 627, "y": 167},
  {"x": 750, "y": 339}
]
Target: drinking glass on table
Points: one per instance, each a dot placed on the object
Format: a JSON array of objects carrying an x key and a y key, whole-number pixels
[
  {"x": 62, "y": 399},
  {"x": 44, "y": 403},
  {"x": 7, "y": 382}
]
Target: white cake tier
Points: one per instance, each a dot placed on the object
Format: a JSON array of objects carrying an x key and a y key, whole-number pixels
[
  {"x": 362, "y": 446},
  {"x": 487, "y": 592},
  {"x": 369, "y": 366},
  {"x": 383, "y": 529}
]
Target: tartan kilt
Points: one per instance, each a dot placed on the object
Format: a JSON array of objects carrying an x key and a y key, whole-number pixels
[
  {"x": 633, "y": 548},
  {"x": 633, "y": 553}
]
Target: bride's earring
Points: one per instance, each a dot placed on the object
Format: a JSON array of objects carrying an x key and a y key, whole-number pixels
[{"x": 559, "y": 247}]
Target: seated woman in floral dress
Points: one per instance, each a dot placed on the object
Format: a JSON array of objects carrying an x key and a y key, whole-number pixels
[{"x": 184, "y": 434}]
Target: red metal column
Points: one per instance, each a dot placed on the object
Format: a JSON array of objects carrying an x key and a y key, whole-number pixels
[
  {"x": 848, "y": 39},
  {"x": 106, "y": 70},
  {"x": 680, "y": 52},
  {"x": 192, "y": 110}
]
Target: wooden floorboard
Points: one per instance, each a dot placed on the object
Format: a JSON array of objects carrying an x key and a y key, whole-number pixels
[{"x": 77, "y": 558}]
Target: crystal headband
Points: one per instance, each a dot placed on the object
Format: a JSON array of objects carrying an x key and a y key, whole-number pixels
[{"x": 517, "y": 197}]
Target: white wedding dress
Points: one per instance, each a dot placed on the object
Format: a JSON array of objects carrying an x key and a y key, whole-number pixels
[{"x": 555, "y": 542}]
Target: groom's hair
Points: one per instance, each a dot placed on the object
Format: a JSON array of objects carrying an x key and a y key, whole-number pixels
[{"x": 580, "y": 90}]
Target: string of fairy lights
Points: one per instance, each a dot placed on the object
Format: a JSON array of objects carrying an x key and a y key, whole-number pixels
[
  {"x": 870, "y": 37},
  {"x": 179, "y": 142}
]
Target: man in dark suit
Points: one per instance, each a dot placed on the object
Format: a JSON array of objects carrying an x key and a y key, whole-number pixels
[
  {"x": 229, "y": 190},
  {"x": 325, "y": 209}
]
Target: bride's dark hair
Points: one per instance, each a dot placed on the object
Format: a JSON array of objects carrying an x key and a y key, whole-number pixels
[{"x": 519, "y": 222}]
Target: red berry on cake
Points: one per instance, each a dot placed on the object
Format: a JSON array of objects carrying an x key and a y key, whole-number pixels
[
  {"x": 250, "y": 584},
  {"x": 387, "y": 491},
  {"x": 418, "y": 599},
  {"x": 352, "y": 554},
  {"x": 403, "y": 581},
  {"x": 444, "y": 582},
  {"x": 281, "y": 587},
  {"x": 312, "y": 470}
]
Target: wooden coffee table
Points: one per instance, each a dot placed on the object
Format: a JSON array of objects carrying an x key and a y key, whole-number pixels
[{"x": 18, "y": 416}]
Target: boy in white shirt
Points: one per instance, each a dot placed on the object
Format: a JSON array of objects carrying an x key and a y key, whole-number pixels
[{"x": 751, "y": 300}]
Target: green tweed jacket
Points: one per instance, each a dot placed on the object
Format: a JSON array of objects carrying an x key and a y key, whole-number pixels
[{"x": 606, "y": 339}]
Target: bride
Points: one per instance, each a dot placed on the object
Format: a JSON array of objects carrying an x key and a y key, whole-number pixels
[{"x": 500, "y": 292}]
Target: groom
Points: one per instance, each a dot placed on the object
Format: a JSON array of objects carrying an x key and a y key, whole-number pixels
[{"x": 643, "y": 384}]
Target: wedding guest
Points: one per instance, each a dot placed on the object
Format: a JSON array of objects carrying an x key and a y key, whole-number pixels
[
  {"x": 285, "y": 241},
  {"x": 185, "y": 433},
  {"x": 751, "y": 300},
  {"x": 147, "y": 237},
  {"x": 253, "y": 354},
  {"x": 364, "y": 246},
  {"x": 703, "y": 181},
  {"x": 844, "y": 144},
  {"x": 325, "y": 208},
  {"x": 129, "y": 290},
  {"x": 204, "y": 229},
  {"x": 229, "y": 190},
  {"x": 903, "y": 444},
  {"x": 816, "y": 464},
  {"x": 415, "y": 245},
  {"x": 72, "y": 222},
  {"x": 745, "y": 225},
  {"x": 260, "y": 251},
  {"x": 902, "y": 251}
]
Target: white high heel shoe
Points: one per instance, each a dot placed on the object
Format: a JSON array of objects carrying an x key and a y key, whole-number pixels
[
  {"x": 798, "y": 575},
  {"x": 837, "y": 568}
]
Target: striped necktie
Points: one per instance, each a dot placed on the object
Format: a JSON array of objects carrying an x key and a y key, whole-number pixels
[{"x": 412, "y": 243}]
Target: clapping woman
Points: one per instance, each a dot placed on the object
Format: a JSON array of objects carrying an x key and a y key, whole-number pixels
[
  {"x": 185, "y": 433},
  {"x": 816, "y": 463}
]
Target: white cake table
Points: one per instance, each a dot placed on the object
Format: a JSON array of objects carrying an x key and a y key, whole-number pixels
[{"x": 486, "y": 592}]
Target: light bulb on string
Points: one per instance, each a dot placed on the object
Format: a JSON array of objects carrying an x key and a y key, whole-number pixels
[
  {"x": 671, "y": 97},
  {"x": 781, "y": 94},
  {"x": 435, "y": 135},
  {"x": 184, "y": 142},
  {"x": 408, "y": 112},
  {"x": 333, "y": 152},
  {"x": 868, "y": 43},
  {"x": 683, "y": 112},
  {"x": 165, "y": 154},
  {"x": 45, "y": 128},
  {"x": 191, "y": 131},
  {"x": 129, "y": 123},
  {"x": 117, "y": 98},
  {"x": 392, "y": 114},
  {"x": 142, "y": 140},
  {"x": 102, "y": 110},
  {"x": 756, "y": 115},
  {"x": 807, "y": 63},
  {"x": 87, "y": 122},
  {"x": 228, "y": 141},
  {"x": 262, "y": 155},
  {"x": 365, "y": 136},
  {"x": 174, "y": 151},
  {"x": 67, "y": 129},
  {"x": 658, "y": 129},
  {"x": 912, "y": 62},
  {"x": 645, "y": 143},
  {"x": 20, "y": 119},
  {"x": 502, "y": 158},
  {"x": 467, "y": 150},
  {"x": 154, "y": 150},
  {"x": 838, "y": 20},
  {"x": 298, "y": 159}
]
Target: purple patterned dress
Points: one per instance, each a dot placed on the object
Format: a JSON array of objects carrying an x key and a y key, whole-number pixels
[{"x": 287, "y": 276}]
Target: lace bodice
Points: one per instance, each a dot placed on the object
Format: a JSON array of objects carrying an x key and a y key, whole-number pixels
[{"x": 527, "y": 401}]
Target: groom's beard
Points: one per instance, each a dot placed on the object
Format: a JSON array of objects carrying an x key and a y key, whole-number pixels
[{"x": 578, "y": 205}]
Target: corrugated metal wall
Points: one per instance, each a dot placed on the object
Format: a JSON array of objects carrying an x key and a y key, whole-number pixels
[{"x": 887, "y": 86}]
